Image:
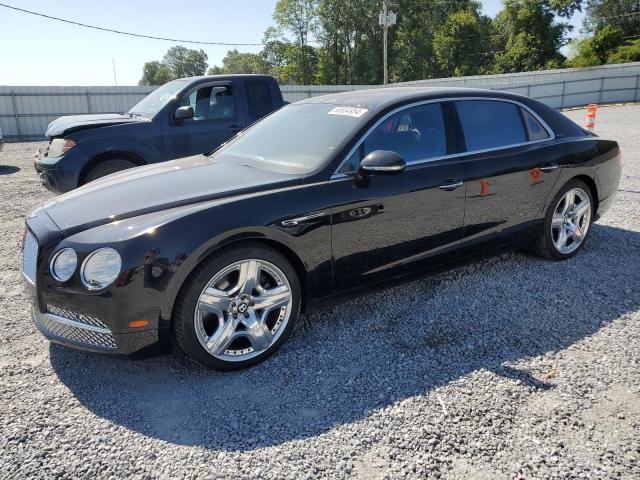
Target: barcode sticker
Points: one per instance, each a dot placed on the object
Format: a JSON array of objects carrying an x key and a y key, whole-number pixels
[{"x": 349, "y": 111}]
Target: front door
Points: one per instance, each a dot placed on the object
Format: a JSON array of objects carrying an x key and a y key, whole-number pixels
[
  {"x": 388, "y": 225},
  {"x": 216, "y": 119}
]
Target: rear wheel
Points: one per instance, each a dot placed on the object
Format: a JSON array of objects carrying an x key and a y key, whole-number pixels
[
  {"x": 107, "y": 168},
  {"x": 238, "y": 307},
  {"x": 567, "y": 222}
]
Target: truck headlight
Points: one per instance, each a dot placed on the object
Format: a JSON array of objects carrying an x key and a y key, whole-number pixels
[
  {"x": 63, "y": 264},
  {"x": 60, "y": 146},
  {"x": 100, "y": 268}
]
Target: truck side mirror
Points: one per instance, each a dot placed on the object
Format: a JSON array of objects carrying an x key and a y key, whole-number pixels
[{"x": 184, "y": 113}]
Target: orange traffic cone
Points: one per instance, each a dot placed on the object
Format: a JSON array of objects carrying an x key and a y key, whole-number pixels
[{"x": 591, "y": 116}]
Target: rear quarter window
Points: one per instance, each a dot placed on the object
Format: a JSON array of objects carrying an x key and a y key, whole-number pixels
[
  {"x": 535, "y": 130},
  {"x": 490, "y": 124}
]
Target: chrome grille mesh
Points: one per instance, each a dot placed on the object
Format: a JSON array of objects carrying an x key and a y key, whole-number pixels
[
  {"x": 30, "y": 257},
  {"x": 76, "y": 317},
  {"x": 55, "y": 326}
]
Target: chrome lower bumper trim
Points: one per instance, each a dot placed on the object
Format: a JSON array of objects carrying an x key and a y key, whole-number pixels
[{"x": 66, "y": 330}]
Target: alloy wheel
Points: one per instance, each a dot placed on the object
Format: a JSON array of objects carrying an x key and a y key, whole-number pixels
[
  {"x": 571, "y": 220},
  {"x": 243, "y": 310}
]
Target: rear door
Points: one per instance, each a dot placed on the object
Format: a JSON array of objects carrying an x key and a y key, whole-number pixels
[
  {"x": 511, "y": 164},
  {"x": 390, "y": 225},
  {"x": 217, "y": 117},
  {"x": 260, "y": 101}
]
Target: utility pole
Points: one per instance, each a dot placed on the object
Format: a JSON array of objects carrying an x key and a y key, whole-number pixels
[{"x": 386, "y": 19}]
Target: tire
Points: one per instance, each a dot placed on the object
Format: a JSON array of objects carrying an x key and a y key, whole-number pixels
[
  {"x": 217, "y": 320},
  {"x": 107, "y": 168},
  {"x": 558, "y": 218}
]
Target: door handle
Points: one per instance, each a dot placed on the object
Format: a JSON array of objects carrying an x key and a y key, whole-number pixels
[
  {"x": 452, "y": 185},
  {"x": 549, "y": 168}
]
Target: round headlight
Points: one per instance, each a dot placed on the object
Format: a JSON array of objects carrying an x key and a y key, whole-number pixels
[
  {"x": 100, "y": 268},
  {"x": 63, "y": 264}
]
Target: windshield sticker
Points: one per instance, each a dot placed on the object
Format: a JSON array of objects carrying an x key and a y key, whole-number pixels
[{"x": 349, "y": 111}]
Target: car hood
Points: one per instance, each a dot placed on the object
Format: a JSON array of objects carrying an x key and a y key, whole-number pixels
[
  {"x": 70, "y": 123},
  {"x": 158, "y": 187}
]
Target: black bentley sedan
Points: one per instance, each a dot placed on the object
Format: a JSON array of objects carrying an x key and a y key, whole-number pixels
[{"x": 322, "y": 198}]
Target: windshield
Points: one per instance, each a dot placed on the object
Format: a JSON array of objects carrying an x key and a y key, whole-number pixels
[
  {"x": 297, "y": 138},
  {"x": 156, "y": 100}
]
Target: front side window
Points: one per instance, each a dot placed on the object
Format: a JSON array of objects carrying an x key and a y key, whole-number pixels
[
  {"x": 490, "y": 124},
  {"x": 211, "y": 103},
  {"x": 416, "y": 133}
]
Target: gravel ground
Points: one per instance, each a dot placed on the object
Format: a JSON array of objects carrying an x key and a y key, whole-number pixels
[{"x": 510, "y": 368}]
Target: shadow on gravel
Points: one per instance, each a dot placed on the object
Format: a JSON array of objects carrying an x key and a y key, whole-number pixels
[
  {"x": 343, "y": 363},
  {"x": 8, "y": 169}
]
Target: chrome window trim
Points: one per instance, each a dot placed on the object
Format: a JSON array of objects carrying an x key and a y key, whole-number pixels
[{"x": 337, "y": 174}]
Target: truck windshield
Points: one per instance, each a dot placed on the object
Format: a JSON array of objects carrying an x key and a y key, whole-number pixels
[
  {"x": 298, "y": 138},
  {"x": 156, "y": 100}
]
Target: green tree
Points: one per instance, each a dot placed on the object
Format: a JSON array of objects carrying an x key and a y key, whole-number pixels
[
  {"x": 240, "y": 62},
  {"x": 299, "y": 18},
  {"x": 412, "y": 56},
  {"x": 351, "y": 42},
  {"x": 596, "y": 50},
  {"x": 527, "y": 37},
  {"x": 457, "y": 42},
  {"x": 155, "y": 73},
  {"x": 185, "y": 62},
  {"x": 629, "y": 52},
  {"x": 623, "y": 14}
]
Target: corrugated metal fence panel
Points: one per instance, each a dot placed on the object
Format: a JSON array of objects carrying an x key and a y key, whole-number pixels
[{"x": 25, "y": 112}]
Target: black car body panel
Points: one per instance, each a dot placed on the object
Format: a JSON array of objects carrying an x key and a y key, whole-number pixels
[
  {"x": 142, "y": 141},
  {"x": 342, "y": 233}
]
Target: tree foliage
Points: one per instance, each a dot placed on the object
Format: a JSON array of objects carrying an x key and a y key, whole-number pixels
[
  {"x": 178, "y": 62},
  {"x": 623, "y": 14},
  {"x": 457, "y": 41},
  {"x": 340, "y": 41},
  {"x": 527, "y": 37}
]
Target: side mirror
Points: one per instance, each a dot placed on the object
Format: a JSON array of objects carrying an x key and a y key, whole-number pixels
[
  {"x": 183, "y": 113},
  {"x": 382, "y": 161}
]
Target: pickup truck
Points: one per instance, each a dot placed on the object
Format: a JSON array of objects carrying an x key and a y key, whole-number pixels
[{"x": 184, "y": 117}]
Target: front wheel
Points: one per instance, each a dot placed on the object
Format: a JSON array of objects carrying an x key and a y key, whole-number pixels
[
  {"x": 567, "y": 222},
  {"x": 237, "y": 307}
]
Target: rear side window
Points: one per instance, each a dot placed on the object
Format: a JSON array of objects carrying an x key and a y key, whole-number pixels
[
  {"x": 490, "y": 124},
  {"x": 535, "y": 130},
  {"x": 258, "y": 98},
  {"x": 416, "y": 133}
]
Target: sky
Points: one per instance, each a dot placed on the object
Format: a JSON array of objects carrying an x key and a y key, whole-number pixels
[{"x": 39, "y": 51}]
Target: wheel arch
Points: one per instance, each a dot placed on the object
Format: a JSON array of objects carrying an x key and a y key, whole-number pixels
[
  {"x": 592, "y": 186},
  {"x": 302, "y": 266},
  {"x": 109, "y": 155}
]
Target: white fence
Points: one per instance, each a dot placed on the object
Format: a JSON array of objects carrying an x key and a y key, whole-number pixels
[{"x": 25, "y": 112}]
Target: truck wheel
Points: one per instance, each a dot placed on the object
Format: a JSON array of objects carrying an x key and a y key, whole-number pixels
[{"x": 107, "y": 168}]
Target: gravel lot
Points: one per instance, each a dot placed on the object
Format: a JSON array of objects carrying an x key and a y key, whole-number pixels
[{"x": 511, "y": 368}]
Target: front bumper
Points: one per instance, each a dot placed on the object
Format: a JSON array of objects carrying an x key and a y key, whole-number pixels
[
  {"x": 80, "y": 320},
  {"x": 88, "y": 333},
  {"x": 60, "y": 174}
]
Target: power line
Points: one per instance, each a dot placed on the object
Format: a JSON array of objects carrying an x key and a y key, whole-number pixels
[{"x": 111, "y": 30}]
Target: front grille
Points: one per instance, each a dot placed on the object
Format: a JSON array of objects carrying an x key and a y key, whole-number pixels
[
  {"x": 30, "y": 257},
  {"x": 56, "y": 326}
]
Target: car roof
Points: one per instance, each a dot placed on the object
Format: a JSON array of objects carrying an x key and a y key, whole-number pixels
[
  {"x": 381, "y": 98},
  {"x": 227, "y": 77}
]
